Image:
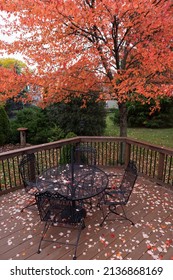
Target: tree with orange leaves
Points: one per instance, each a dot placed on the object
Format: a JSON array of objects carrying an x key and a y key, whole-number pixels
[
  {"x": 11, "y": 84},
  {"x": 79, "y": 45}
]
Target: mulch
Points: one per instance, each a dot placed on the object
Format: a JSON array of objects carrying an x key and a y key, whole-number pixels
[{"x": 10, "y": 147}]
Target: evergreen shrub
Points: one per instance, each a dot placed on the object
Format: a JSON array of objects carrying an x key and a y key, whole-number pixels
[{"x": 5, "y": 130}]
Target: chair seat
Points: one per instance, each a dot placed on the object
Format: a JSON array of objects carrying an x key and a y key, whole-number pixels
[
  {"x": 29, "y": 171},
  {"x": 65, "y": 214},
  {"x": 120, "y": 196},
  {"x": 55, "y": 210}
]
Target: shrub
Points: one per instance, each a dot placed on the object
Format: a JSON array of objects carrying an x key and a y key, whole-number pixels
[
  {"x": 5, "y": 130},
  {"x": 140, "y": 115},
  {"x": 66, "y": 150},
  {"x": 82, "y": 120},
  {"x": 40, "y": 129}
]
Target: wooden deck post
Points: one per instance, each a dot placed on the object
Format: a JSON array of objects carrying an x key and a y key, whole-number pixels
[{"x": 22, "y": 131}]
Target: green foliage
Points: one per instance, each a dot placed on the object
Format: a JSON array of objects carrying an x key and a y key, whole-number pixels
[
  {"x": 40, "y": 129},
  {"x": 12, "y": 62},
  {"x": 5, "y": 130},
  {"x": 70, "y": 135},
  {"x": 55, "y": 133},
  {"x": 112, "y": 129},
  {"x": 116, "y": 117},
  {"x": 65, "y": 156},
  {"x": 140, "y": 115},
  {"x": 82, "y": 120},
  {"x": 11, "y": 107}
]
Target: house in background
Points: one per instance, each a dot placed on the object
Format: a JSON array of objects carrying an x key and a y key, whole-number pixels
[{"x": 111, "y": 104}]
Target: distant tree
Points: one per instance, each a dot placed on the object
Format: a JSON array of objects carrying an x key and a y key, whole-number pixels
[
  {"x": 140, "y": 116},
  {"x": 14, "y": 78},
  {"x": 16, "y": 67},
  {"x": 81, "y": 115},
  {"x": 11, "y": 63}
]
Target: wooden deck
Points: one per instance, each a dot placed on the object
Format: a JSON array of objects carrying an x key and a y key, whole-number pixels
[{"x": 150, "y": 207}]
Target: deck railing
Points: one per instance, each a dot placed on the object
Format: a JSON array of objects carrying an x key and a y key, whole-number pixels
[{"x": 153, "y": 161}]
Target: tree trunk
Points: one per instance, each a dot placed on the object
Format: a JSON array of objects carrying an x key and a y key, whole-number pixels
[
  {"x": 123, "y": 119},
  {"x": 123, "y": 130}
]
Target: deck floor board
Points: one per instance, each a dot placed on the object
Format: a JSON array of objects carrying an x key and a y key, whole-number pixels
[{"x": 150, "y": 207}]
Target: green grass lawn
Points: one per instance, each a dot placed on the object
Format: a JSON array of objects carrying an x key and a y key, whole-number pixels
[{"x": 161, "y": 137}]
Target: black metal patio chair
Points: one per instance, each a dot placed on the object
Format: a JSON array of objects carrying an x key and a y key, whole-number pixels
[
  {"x": 28, "y": 169},
  {"x": 55, "y": 210},
  {"x": 119, "y": 196},
  {"x": 84, "y": 154}
]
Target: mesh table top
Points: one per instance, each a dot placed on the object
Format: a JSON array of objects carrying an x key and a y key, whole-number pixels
[{"x": 75, "y": 182}]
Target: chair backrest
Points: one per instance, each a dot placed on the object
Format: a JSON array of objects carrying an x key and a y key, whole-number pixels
[
  {"x": 128, "y": 180},
  {"x": 28, "y": 170},
  {"x": 84, "y": 154},
  {"x": 55, "y": 208},
  {"x": 46, "y": 204}
]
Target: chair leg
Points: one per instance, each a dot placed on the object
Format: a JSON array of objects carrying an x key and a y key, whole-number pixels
[
  {"x": 125, "y": 216},
  {"x": 104, "y": 216},
  {"x": 32, "y": 203},
  {"x": 112, "y": 209},
  {"x": 100, "y": 200},
  {"x": 46, "y": 226},
  {"x": 82, "y": 226}
]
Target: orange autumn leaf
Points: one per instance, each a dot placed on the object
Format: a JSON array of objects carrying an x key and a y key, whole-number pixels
[
  {"x": 112, "y": 235},
  {"x": 149, "y": 247},
  {"x": 118, "y": 254},
  {"x": 163, "y": 226},
  {"x": 168, "y": 242}
]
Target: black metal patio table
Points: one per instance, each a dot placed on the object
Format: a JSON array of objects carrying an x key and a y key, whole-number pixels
[{"x": 75, "y": 182}]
